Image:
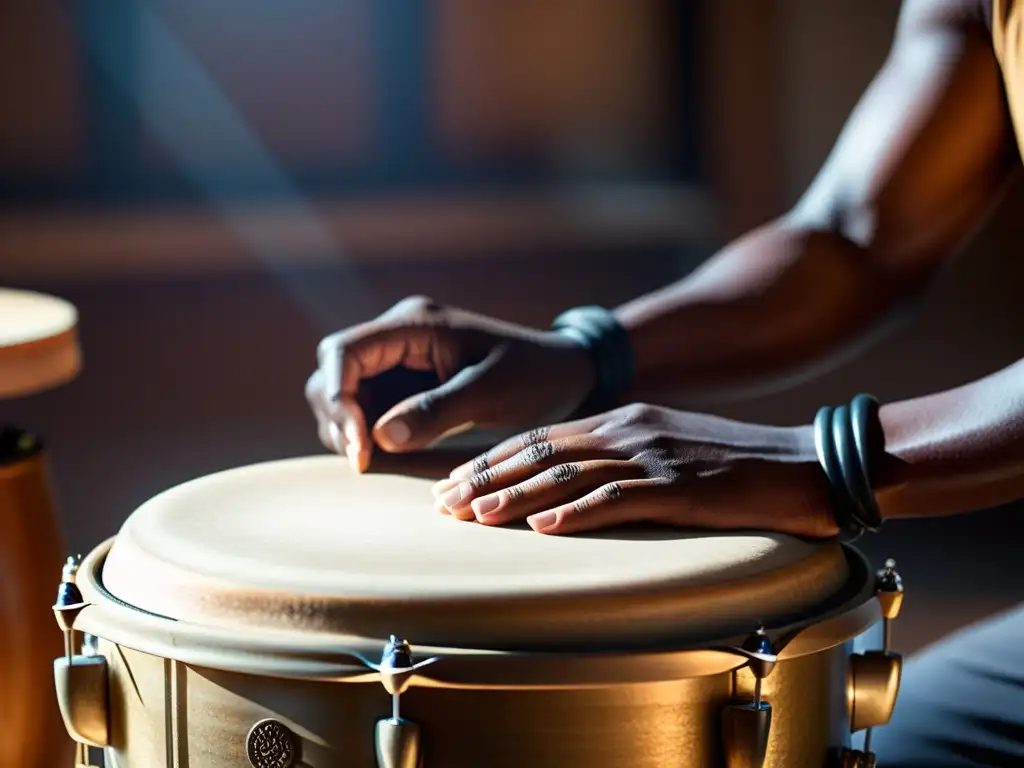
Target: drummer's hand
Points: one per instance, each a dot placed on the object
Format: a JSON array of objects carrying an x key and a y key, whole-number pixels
[
  {"x": 489, "y": 373},
  {"x": 645, "y": 463}
]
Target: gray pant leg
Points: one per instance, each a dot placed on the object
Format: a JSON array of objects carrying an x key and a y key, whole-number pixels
[{"x": 961, "y": 701}]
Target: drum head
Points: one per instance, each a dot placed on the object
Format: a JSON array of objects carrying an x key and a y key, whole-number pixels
[
  {"x": 305, "y": 545},
  {"x": 38, "y": 342}
]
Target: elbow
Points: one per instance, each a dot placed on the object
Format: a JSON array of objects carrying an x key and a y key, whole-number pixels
[{"x": 890, "y": 262}]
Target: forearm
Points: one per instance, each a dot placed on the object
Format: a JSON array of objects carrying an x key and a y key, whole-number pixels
[
  {"x": 957, "y": 451},
  {"x": 919, "y": 163},
  {"x": 774, "y": 306}
]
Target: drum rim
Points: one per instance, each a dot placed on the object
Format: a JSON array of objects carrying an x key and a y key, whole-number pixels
[
  {"x": 340, "y": 658},
  {"x": 44, "y": 361}
]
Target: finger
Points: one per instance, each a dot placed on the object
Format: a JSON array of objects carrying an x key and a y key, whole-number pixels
[
  {"x": 370, "y": 349},
  {"x": 315, "y": 393},
  {"x": 619, "y": 502},
  {"x": 341, "y": 428},
  {"x": 526, "y": 464},
  {"x": 346, "y": 439},
  {"x": 318, "y": 405},
  {"x": 323, "y": 430},
  {"x": 358, "y": 446},
  {"x": 519, "y": 443},
  {"x": 457, "y": 405},
  {"x": 551, "y": 488}
]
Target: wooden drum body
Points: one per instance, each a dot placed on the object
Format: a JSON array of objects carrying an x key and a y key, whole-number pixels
[
  {"x": 38, "y": 351},
  {"x": 398, "y": 637}
]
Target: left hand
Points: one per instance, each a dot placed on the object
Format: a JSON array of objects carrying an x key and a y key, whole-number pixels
[{"x": 646, "y": 463}]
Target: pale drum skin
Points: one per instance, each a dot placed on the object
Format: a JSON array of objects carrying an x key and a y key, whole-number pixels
[{"x": 254, "y": 593}]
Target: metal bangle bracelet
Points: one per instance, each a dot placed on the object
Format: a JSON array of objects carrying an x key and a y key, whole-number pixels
[
  {"x": 854, "y": 471},
  {"x": 848, "y": 440},
  {"x": 824, "y": 445},
  {"x": 599, "y": 332}
]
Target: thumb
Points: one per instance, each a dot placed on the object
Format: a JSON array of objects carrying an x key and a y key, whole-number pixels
[{"x": 455, "y": 406}]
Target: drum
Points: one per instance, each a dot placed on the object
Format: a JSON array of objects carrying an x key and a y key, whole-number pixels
[
  {"x": 38, "y": 342},
  {"x": 38, "y": 350},
  {"x": 294, "y": 614}
]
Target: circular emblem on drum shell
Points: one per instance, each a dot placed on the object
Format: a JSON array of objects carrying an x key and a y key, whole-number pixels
[{"x": 271, "y": 745}]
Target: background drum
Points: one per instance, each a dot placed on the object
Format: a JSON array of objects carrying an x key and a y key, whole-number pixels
[
  {"x": 292, "y": 614},
  {"x": 38, "y": 351}
]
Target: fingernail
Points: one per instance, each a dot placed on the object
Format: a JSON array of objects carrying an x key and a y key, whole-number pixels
[
  {"x": 442, "y": 486},
  {"x": 396, "y": 432},
  {"x": 542, "y": 520},
  {"x": 457, "y": 494},
  {"x": 352, "y": 452},
  {"x": 487, "y": 504}
]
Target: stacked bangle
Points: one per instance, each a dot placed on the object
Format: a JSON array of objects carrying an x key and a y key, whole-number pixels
[
  {"x": 599, "y": 332},
  {"x": 849, "y": 442}
]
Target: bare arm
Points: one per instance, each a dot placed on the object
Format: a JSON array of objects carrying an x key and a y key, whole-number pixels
[
  {"x": 921, "y": 160},
  {"x": 956, "y": 451}
]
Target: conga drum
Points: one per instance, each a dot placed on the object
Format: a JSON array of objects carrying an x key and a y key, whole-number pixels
[
  {"x": 293, "y": 614},
  {"x": 38, "y": 351}
]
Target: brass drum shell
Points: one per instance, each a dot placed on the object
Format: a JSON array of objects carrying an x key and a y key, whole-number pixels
[{"x": 168, "y": 713}]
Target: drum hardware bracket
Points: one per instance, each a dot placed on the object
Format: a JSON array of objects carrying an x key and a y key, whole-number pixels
[
  {"x": 747, "y": 726},
  {"x": 397, "y": 739},
  {"x": 874, "y": 677},
  {"x": 80, "y": 679}
]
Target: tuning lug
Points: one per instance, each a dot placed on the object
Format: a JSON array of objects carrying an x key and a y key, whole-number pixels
[
  {"x": 398, "y": 743},
  {"x": 746, "y": 727},
  {"x": 889, "y": 586},
  {"x": 872, "y": 688},
  {"x": 745, "y": 731},
  {"x": 397, "y": 739},
  {"x": 69, "y": 601},
  {"x": 82, "y": 695}
]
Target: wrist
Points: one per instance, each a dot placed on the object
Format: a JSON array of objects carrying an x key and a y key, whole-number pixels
[
  {"x": 607, "y": 344},
  {"x": 902, "y": 473},
  {"x": 576, "y": 371},
  {"x": 850, "y": 445}
]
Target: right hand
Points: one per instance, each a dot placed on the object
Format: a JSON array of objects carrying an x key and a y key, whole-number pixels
[{"x": 484, "y": 372}]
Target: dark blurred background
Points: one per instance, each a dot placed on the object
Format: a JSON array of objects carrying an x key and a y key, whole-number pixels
[{"x": 218, "y": 185}]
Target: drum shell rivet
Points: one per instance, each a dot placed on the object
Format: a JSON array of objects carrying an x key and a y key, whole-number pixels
[{"x": 270, "y": 744}]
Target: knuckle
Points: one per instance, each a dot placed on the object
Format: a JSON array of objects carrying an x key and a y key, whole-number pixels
[
  {"x": 332, "y": 348},
  {"x": 414, "y": 305},
  {"x": 427, "y": 401},
  {"x": 482, "y": 479},
  {"x": 582, "y": 505},
  {"x": 313, "y": 385},
  {"x": 636, "y": 413},
  {"x": 533, "y": 437},
  {"x": 480, "y": 464},
  {"x": 606, "y": 494},
  {"x": 328, "y": 346},
  {"x": 612, "y": 492},
  {"x": 515, "y": 493},
  {"x": 538, "y": 452},
  {"x": 563, "y": 473}
]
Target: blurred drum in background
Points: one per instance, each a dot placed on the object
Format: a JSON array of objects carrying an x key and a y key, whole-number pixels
[
  {"x": 38, "y": 351},
  {"x": 295, "y": 614}
]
